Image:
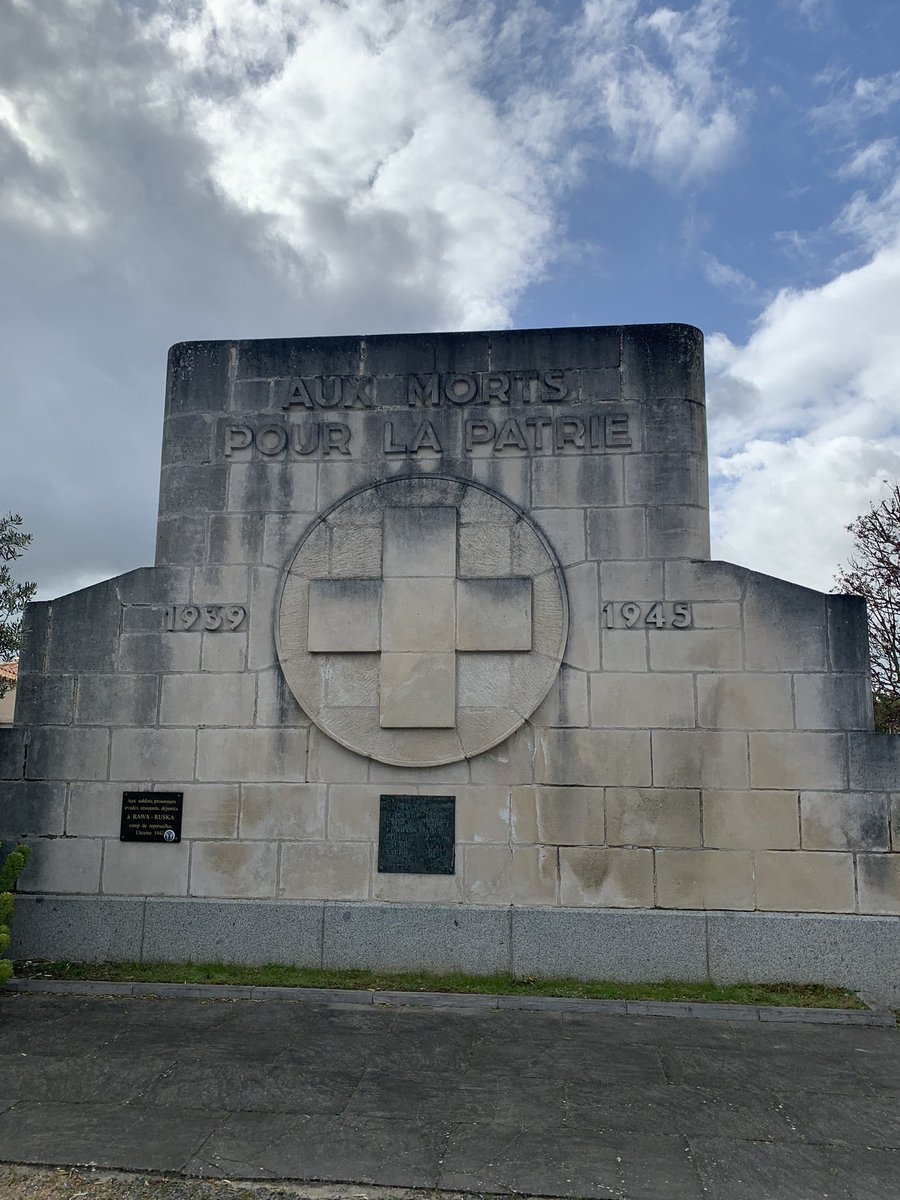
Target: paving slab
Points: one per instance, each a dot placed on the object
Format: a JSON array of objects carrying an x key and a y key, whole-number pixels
[{"x": 547, "y": 1102}]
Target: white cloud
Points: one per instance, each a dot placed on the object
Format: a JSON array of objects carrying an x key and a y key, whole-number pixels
[
  {"x": 673, "y": 113},
  {"x": 220, "y": 168},
  {"x": 865, "y": 97},
  {"x": 804, "y": 421},
  {"x": 874, "y": 159}
]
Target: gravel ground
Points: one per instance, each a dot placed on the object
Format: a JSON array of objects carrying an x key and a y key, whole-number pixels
[{"x": 53, "y": 1183}]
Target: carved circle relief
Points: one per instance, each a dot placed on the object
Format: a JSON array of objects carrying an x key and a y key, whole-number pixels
[{"x": 422, "y": 620}]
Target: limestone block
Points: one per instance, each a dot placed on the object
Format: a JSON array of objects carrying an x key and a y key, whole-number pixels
[
  {"x": 558, "y": 816},
  {"x": 833, "y": 702},
  {"x": 784, "y": 626},
  {"x": 80, "y": 631},
  {"x": 333, "y": 763},
  {"x": 213, "y": 699},
  {"x": 418, "y": 690},
  {"x": 678, "y": 531},
  {"x": 418, "y": 614},
  {"x": 642, "y": 701},
  {"x": 848, "y": 634},
  {"x": 874, "y": 762},
  {"x": 336, "y": 479},
  {"x": 135, "y": 869},
  {"x": 704, "y": 581},
  {"x": 674, "y": 427},
  {"x": 95, "y": 808},
  {"x": 287, "y": 811},
  {"x": 798, "y": 760},
  {"x": 62, "y": 865},
  {"x": 576, "y": 480},
  {"x": 234, "y": 869},
  {"x": 187, "y": 438},
  {"x": 150, "y": 652},
  {"x": 420, "y": 541},
  {"x": 484, "y": 550},
  {"x": 44, "y": 699},
  {"x": 797, "y": 881},
  {"x": 142, "y": 618},
  {"x": 699, "y": 758},
  {"x": 236, "y": 537},
  {"x": 716, "y": 614},
  {"x": 695, "y": 649},
  {"x": 605, "y": 878},
  {"x": 355, "y": 551},
  {"x": 491, "y": 614},
  {"x": 220, "y": 585},
  {"x": 653, "y": 817},
  {"x": 512, "y": 762},
  {"x": 662, "y": 362},
  {"x": 153, "y": 754},
  {"x": 751, "y": 820},
  {"x": 879, "y": 883},
  {"x": 845, "y": 821},
  {"x": 30, "y": 807},
  {"x": 631, "y": 580},
  {"x": 511, "y": 477},
  {"x": 252, "y": 755},
  {"x": 510, "y": 875},
  {"x": 583, "y": 647},
  {"x": 275, "y": 703},
  {"x": 264, "y": 585},
  {"x": 482, "y": 812},
  {"x": 593, "y": 757},
  {"x": 663, "y": 479},
  {"x": 616, "y": 533},
  {"x": 269, "y": 487},
  {"x": 117, "y": 699},
  {"x": 67, "y": 752},
  {"x": 325, "y": 870},
  {"x": 223, "y": 652},
  {"x": 428, "y": 777},
  {"x": 210, "y": 811},
  {"x": 624, "y": 649},
  {"x": 566, "y": 704},
  {"x": 182, "y": 540},
  {"x": 344, "y": 615},
  {"x": 353, "y": 810},
  {"x": 198, "y": 377},
  {"x": 704, "y": 879},
  {"x": 12, "y": 752},
  {"x": 745, "y": 701},
  {"x": 193, "y": 489},
  {"x": 283, "y": 532},
  {"x": 895, "y": 821},
  {"x": 424, "y": 889},
  {"x": 564, "y": 528},
  {"x": 353, "y": 679}
]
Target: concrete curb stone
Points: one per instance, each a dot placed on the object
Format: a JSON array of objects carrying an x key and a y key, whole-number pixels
[{"x": 394, "y": 999}]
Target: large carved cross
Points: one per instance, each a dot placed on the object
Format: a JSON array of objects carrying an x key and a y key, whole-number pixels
[{"x": 418, "y": 616}]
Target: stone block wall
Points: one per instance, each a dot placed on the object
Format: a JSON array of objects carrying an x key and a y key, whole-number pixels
[{"x": 706, "y": 744}]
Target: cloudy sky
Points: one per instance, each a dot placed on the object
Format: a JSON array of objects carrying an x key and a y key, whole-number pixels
[{"x": 181, "y": 169}]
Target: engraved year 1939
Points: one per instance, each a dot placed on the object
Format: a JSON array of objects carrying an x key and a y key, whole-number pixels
[
  {"x": 213, "y": 618},
  {"x": 628, "y": 614}
]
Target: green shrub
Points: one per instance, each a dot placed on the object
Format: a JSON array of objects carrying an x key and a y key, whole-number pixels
[{"x": 12, "y": 867}]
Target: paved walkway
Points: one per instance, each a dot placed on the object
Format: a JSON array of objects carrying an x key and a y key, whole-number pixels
[{"x": 553, "y": 1104}]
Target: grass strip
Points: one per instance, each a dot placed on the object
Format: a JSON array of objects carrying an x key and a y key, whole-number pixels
[{"x": 794, "y": 995}]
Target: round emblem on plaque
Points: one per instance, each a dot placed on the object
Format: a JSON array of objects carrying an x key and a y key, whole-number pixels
[{"x": 422, "y": 620}]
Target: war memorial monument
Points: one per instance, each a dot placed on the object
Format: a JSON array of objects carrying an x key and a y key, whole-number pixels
[{"x": 433, "y": 670}]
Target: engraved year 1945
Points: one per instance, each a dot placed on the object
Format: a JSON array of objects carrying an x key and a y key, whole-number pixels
[{"x": 628, "y": 614}]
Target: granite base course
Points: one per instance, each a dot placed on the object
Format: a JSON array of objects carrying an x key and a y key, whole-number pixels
[{"x": 633, "y": 946}]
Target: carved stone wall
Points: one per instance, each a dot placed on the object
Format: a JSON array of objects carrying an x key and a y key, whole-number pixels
[{"x": 469, "y": 564}]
